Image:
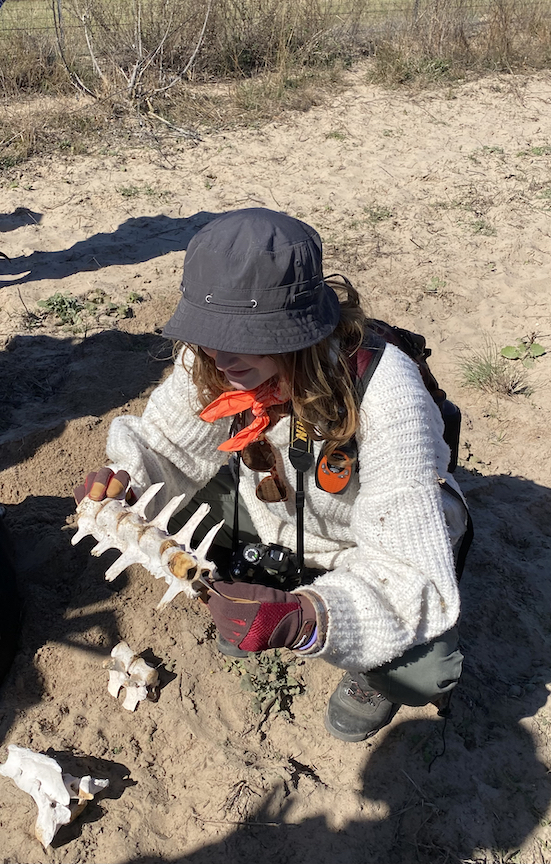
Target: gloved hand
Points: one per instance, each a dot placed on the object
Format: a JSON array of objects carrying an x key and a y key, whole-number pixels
[
  {"x": 105, "y": 484},
  {"x": 255, "y": 617}
]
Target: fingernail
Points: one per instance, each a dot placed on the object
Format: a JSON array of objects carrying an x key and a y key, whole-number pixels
[
  {"x": 115, "y": 489},
  {"x": 97, "y": 492},
  {"x": 100, "y": 484}
]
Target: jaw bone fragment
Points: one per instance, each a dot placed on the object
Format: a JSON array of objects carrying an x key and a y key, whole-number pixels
[
  {"x": 127, "y": 670},
  {"x": 116, "y": 525},
  {"x": 60, "y": 797}
]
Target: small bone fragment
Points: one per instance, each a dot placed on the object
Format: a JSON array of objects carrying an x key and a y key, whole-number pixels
[
  {"x": 128, "y": 670},
  {"x": 117, "y": 525},
  {"x": 60, "y": 797}
]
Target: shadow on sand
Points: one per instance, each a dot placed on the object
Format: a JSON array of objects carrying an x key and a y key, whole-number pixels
[{"x": 134, "y": 241}]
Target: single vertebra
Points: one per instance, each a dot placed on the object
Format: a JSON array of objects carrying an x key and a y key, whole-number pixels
[
  {"x": 116, "y": 525},
  {"x": 129, "y": 671}
]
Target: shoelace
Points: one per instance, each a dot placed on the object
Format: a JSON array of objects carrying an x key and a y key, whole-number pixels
[{"x": 363, "y": 696}]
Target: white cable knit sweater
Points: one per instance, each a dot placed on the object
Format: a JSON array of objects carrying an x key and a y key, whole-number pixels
[{"x": 386, "y": 542}]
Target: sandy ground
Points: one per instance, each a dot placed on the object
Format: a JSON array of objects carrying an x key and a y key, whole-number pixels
[{"x": 438, "y": 207}]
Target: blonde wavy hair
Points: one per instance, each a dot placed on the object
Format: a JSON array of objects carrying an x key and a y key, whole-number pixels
[{"x": 321, "y": 388}]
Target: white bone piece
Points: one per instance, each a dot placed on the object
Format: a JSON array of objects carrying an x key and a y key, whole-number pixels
[
  {"x": 117, "y": 525},
  {"x": 128, "y": 670},
  {"x": 60, "y": 797}
]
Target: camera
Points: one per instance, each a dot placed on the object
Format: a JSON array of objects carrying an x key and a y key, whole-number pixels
[{"x": 274, "y": 566}]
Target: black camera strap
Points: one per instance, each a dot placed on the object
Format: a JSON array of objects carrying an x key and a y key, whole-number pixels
[
  {"x": 234, "y": 463},
  {"x": 301, "y": 457}
]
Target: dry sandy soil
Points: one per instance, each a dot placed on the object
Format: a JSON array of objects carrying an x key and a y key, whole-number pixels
[{"x": 438, "y": 207}]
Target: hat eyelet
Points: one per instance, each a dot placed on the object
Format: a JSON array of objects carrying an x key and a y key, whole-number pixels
[
  {"x": 254, "y": 304},
  {"x": 208, "y": 298}
]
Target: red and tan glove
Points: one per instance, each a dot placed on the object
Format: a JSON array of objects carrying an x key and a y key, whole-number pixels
[
  {"x": 255, "y": 617},
  {"x": 105, "y": 484}
]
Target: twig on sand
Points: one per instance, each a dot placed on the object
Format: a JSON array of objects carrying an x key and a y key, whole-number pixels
[
  {"x": 186, "y": 133},
  {"x": 245, "y": 822},
  {"x": 419, "y": 790}
]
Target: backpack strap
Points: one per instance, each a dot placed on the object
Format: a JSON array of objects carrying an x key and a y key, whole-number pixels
[
  {"x": 467, "y": 539},
  {"x": 415, "y": 346}
]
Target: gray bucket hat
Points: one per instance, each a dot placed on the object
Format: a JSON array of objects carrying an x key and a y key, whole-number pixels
[{"x": 253, "y": 284}]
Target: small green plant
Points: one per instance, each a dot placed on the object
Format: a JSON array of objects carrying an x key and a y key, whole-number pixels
[
  {"x": 77, "y": 313},
  {"x": 339, "y": 136},
  {"x": 129, "y": 191},
  {"x": 487, "y": 370},
  {"x": 267, "y": 677},
  {"x": 435, "y": 284},
  {"x": 98, "y": 303},
  {"x": 66, "y": 308},
  {"x": 481, "y": 226},
  {"x": 142, "y": 191},
  {"x": 542, "y": 150},
  {"x": 378, "y": 214},
  {"x": 527, "y": 350}
]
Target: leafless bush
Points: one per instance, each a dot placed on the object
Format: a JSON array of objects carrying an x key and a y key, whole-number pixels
[{"x": 150, "y": 45}]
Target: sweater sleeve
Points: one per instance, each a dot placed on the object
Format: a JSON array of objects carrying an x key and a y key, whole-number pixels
[
  {"x": 397, "y": 588},
  {"x": 169, "y": 443}
]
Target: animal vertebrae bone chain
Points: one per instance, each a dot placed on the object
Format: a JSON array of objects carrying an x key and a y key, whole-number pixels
[{"x": 117, "y": 525}]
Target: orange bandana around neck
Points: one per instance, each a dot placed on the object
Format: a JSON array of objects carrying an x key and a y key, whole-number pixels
[{"x": 234, "y": 401}]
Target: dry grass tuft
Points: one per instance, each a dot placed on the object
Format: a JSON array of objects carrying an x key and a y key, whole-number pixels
[
  {"x": 439, "y": 42},
  {"x": 61, "y": 124},
  {"x": 488, "y": 371}
]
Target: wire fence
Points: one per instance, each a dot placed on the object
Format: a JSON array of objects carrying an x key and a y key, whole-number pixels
[
  {"x": 94, "y": 33},
  {"x": 40, "y": 16},
  {"x": 172, "y": 39}
]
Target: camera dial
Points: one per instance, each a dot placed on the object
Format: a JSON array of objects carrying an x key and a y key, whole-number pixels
[{"x": 252, "y": 553}]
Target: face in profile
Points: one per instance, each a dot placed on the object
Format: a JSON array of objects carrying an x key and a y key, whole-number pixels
[{"x": 243, "y": 371}]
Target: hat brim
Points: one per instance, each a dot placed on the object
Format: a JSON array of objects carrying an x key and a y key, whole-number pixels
[{"x": 253, "y": 332}]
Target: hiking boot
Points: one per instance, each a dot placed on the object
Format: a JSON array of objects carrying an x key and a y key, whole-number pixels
[
  {"x": 356, "y": 711},
  {"x": 229, "y": 649}
]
